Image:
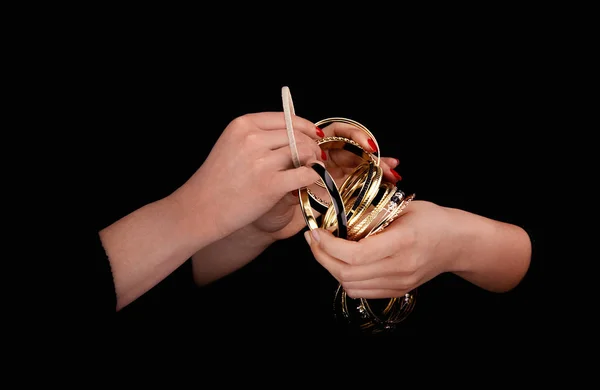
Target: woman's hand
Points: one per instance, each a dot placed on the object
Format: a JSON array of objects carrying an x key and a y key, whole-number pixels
[
  {"x": 248, "y": 171},
  {"x": 425, "y": 241},
  {"x": 341, "y": 163},
  {"x": 285, "y": 219}
]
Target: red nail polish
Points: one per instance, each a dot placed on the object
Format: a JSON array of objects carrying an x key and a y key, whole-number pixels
[
  {"x": 396, "y": 175},
  {"x": 320, "y": 132},
  {"x": 372, "y": 145},
  {"x": 323, "y": 155}
]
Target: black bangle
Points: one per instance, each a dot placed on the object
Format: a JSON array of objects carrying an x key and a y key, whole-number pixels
[{"x": 336, "y": 200}]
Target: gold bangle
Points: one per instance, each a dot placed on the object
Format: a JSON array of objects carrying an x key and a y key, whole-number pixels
[
  {"x": 335, "y": 142},
  {"x": 360, "y": 126},
  {"x": 356, "y": 197}
]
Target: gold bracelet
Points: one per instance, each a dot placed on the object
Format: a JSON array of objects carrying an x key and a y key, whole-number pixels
[
  {"x": 355, "y": 200},
  {"x": 335, "y": 142},
  {"x": 360, "y": 126}
]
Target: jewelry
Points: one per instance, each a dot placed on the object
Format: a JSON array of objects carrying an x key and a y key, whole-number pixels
[
  {"x": 341, "y": 228},
  {"x": 356, "y": 211},
  {"x": 360, "y": 126}
]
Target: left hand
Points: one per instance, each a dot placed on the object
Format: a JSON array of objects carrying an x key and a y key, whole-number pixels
[{"x": 412, "y": 250}]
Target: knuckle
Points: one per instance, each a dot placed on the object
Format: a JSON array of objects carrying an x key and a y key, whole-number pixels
[
  {"x": 241, "y": 122},
  {"x": 409, "y": 238},
  {"x": 356, "y": 255},
  {"x": 252, "y": 138},
  {"x": 305, "y": 151},
  {"x": 307, "y": 175},
  {"x": 409, "y": 282},
  {"x": 345, "y": 273},
  {"x": 408, "y": 269}
]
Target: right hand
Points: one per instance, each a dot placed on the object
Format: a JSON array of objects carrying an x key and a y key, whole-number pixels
[{"x": 248, "y": 171}]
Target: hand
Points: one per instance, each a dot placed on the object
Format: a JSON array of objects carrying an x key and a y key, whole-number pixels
[
  {"x": 285, "y": 219},
  {"x": 421, "y": 244},
  {"x": 341, "y": 163},
  {"x": 248, "y": 171}
]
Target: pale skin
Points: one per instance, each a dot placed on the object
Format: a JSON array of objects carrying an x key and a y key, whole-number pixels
[
  {"x": 284, "y": 219},
  {"x": 425, "y": 241},
  {"x": 235, "y": 205},
  {"x": 224, "y": 224}
]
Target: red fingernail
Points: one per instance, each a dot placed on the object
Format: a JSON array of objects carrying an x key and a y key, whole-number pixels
[
  {"x": 320, "y": 132},
  {"x": 295, "y": 193},
  {"x": 396, "y": 175},
  {"x": 323, "y": 155},
  {"x": 372, "y": 145}
]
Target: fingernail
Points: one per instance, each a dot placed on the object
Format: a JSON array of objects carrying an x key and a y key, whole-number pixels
[
  {"x": 295, "y": 193},
  {"x": 315, "y": 235},
  {"x": 320, "y": 132},
  {"x": 307, "y": 237},
  {"x": 397, "y": 162},
  {"x": 396, "y": 175},
  {"x": 323, "y": 155},
  {"x": 372, "y": 144}
]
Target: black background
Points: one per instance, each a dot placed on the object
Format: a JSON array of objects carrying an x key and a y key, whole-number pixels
[
  {"x": 467, "y": 137},
  {"x": 468, "y": 123}
]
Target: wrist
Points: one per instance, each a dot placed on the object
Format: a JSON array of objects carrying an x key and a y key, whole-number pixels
[
  {"x": 470, "y": 233},
  {"x": 493, "y": 255}
]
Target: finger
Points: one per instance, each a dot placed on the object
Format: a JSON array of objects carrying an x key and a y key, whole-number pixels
[
  {"x": 390, "y": 162},
  {"x": 394, "y": 282},
  {"x": 375, "y": 294},
  {"x": 345, "y": 159},
  {"x": 377, "y": 269},
  {"x": 365, "y": 251},
  {"x": 345, "y": 272},
  {"x": 281, "y": 159},
  {"x": 354, "y": 133},
  {"x": 275, "y": 139},
  {"x": 389, "y": 173},
  {"x": 333, "y": 266},
  {"x": 292, "y": 179},
  {"x": 276, "y": 121}
]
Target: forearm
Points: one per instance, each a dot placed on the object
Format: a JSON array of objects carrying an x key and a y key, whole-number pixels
[
  {"x": 494, "y": 255},
  {"x": 147, "y": 245},
  {"x": 229, "y": 254}
]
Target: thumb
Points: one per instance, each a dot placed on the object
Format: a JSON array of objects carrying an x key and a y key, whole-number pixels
[
  {"x": 319, "y": 237},
  {"x": 345, "y": 250}
]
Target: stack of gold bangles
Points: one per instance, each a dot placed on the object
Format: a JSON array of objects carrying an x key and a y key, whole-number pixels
[{"x": 363, "y": 205}]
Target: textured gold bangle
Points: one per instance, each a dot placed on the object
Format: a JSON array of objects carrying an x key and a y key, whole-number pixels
[
  {"x": 394, "y": 199},
  {"x": 357, "y": 230},
  {"x": 399, "y": 209},
  {"x": 354, "y": 123},
  {"x": 335, "y": 142}
]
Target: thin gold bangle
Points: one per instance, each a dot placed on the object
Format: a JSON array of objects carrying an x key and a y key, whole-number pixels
[{"x": 360, "y": 126}]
